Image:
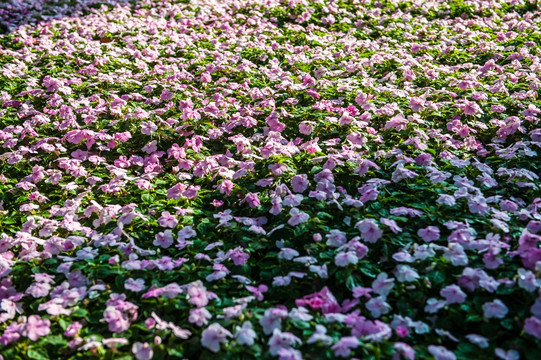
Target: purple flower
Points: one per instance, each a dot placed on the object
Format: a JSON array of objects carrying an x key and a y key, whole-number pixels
[
  {"x": 430, "y": 233},
  {"x": 343, "y": 347},
  {"x": 281, "y": 340},
  {"x": 167, "y": 220},
  {"x": 142, "y": 351},
  {"x": 245, "y": 335},
  {"x": 453, "y": 294},
  {"x": 532, "y": 326},
  {"x": 213, "y": 336},
  {"x": 495, "y": 309},
  {"x": 272, "y": 319},
  {"x": 117, "y": 321},
  {"x": 36, "y": 327},
  {"x": 164, "y": 239},
  {"x": 199, "y": 316},
  {"x": 441, "y": 353},
  {"x": 383, "y": 284},
  {"x": 404, "y": 350},
  {"x": 343, "y": 259},
  {"x": 297, "y": 217},
  {"x": 369, "y": 230},
  {"x": 299, "y": 183},
  {"x": 377, "y": 306}
]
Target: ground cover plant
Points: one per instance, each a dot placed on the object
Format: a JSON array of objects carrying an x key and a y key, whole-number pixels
[{"x": 270, "y": 179}]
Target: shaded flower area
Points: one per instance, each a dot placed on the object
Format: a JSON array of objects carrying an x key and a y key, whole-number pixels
[{"x": 300, "y": 179}]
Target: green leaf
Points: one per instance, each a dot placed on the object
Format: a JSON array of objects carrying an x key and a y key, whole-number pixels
[{"x": 37, "y": 354}]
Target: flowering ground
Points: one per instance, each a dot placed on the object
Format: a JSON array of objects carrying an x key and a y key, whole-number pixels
[{"x": 270, "y": 179}]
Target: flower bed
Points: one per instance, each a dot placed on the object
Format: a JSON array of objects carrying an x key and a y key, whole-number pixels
[{"x": 270, "y": 179}]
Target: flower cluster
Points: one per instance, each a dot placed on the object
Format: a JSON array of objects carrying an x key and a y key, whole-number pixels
[{"x": 275, "y": 179}]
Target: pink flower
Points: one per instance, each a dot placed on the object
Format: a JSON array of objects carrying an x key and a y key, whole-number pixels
[
  {"x": 142, "y": 351},
  {"x": 199, "y": 316},
  {"x": 198, "y": 295},
  {"x": 258, "y": 291},
  {"x": 306, "y": 127},
  {"x": 430, "y": 233},
  {"x": 164, "y": 239},
  {"x": 343, "y": 347},
  {"x": 213, "y": 336},
  {"x": 117, "y": 321},
  {"x": 168, "y": 220},
  {"x": 299, "y": 183},
  {"x": 253, "y": 200},
  {"x": 453, "y": 294},
  {"x": 369, "y": 230},
  {"x": 297, "y": 217},
  {"x": 36, "y": 327}
]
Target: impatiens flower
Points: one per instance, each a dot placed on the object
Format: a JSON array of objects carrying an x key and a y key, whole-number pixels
[
  {"x": 135, "y": 285},
  {"x": 299, "y": 183},
  {"x": 453, "y": 294},
  {"x": 245, "y": 335},
  {"x": 320, "y": 335},
  {"x": 345, "y": 258},
  {"x": 36, "y": 327},
  {"x": 495, "y": 309},
  {"x": 478, "y": 340},
  {"x": 142, "y": 351},
  {"x": 383, "y": 284},
  {"x": 532, "y": 326},
  {"x": 197, "y": 295},
  {"x": 199, "y": 316},
  {"x": 370, "y": 232},
  {"x": 164, "y": 239},
  {"x": 167, "y": 220},
  {"x": 213, "y": 336},
  {"x": 258, "y": 291},
  {"x": 297, "y": 217},
  {"x": 281, "y": 340},
  {"x": 507, "y": 355},
  {"x": 378, "y": 306},
  {"x": 116, "y": 320},
  {"x": 430, "y": 233},
  {"x": 403, "y": 351},
  {"x": 441, "y": 353},
  {"x": 405, "y": 273},
  {"x": 272, "y": 319},
  {"x": 343, "y": 347}
]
